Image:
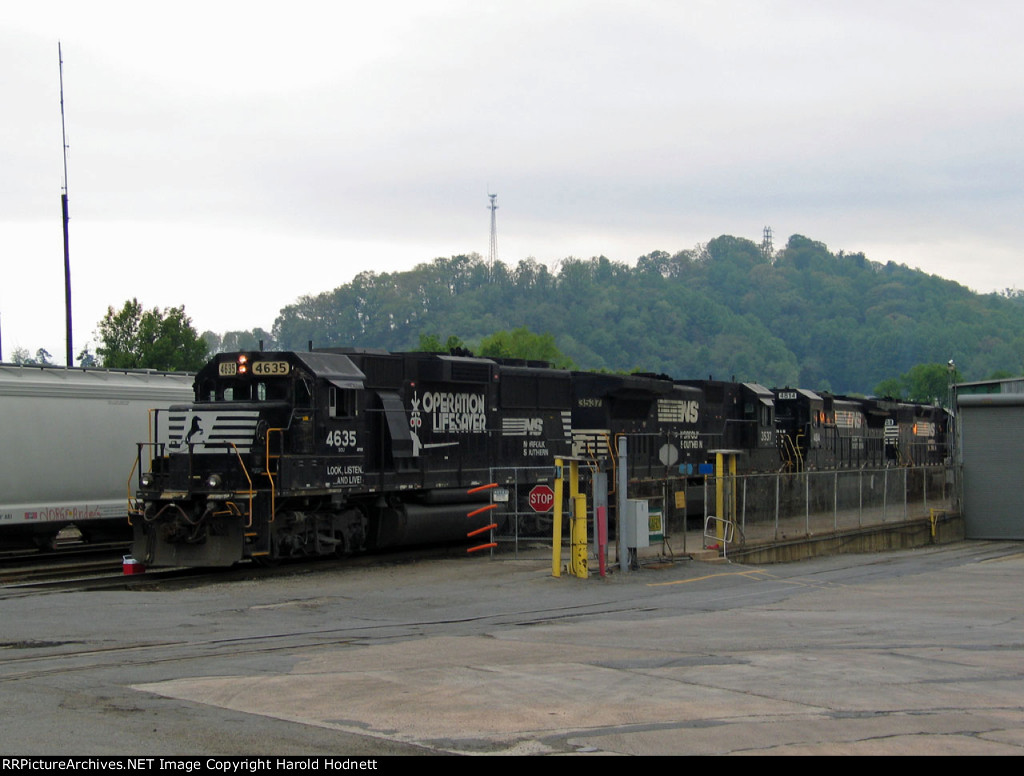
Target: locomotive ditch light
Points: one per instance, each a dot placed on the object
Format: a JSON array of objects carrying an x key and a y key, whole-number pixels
[
  {"x": 213, "y": 481},
  {"x": 146, "y": 480}
]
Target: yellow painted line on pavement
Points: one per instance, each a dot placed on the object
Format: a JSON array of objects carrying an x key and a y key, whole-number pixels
[{"x": 746, "y": 573}]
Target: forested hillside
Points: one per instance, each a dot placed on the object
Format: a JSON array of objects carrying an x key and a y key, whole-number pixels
[{"x": 803, "y": 316}]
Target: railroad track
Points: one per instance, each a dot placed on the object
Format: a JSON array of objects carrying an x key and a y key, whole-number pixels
[
  {"x": 67, "y": 571},
  {"x": 62, "y": 551},
  {"x": 69, "y": 561},
  {"x": 42, "y": 570}
]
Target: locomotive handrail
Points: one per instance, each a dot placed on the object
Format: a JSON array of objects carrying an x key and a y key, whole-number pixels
[
  {"x": 612, "y": 446},
  {"x": 151, "y": 413},
  {"x": 791, "y": 451},
  {"x": 270, "y": 476},
  {"x": 251, "y": 492},
  {"x": 133, "y": 504},
  {"x": 798, "y": 450},
  {"x": 131, "y": 475}
]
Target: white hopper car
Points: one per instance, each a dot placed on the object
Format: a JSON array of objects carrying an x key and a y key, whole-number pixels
[{"x": 68, "y": 441}]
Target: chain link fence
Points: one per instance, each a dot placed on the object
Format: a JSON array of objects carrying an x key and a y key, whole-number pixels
[
  {"x": 765, "y": 507},
  {"x": 756, "y": 508}
]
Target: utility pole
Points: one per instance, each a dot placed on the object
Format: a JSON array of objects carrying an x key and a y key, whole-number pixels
[{"x": 64, "y": 210}]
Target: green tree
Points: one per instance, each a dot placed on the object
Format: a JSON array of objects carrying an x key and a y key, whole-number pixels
[
  {"x": 431, "y": 343},
  {"x": 21, "y": 356},
  {"x": 135, "y": 338},
  {"x": 523, "y": 343},
  {"x": 891, "y": 387},
  {"x": 923, "y": 383},
  {"x": 86, "y": 357},
  {"x": 235, "y": 341}
]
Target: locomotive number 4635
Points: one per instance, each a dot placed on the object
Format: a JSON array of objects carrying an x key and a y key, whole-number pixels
[{"x": 339, "y": 438}]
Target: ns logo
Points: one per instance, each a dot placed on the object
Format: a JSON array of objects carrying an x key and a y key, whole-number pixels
[{"x": 690, "y": 411}]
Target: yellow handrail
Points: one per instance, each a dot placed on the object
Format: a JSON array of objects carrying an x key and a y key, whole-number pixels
[
  {"x": 251, "y": 492},
  {"x": 270, "y": 476}
]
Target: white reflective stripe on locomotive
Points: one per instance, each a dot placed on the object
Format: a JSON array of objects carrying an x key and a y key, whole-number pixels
[
  {"x": 210, "y": 431},
  {"x": 591, "y": 442}
]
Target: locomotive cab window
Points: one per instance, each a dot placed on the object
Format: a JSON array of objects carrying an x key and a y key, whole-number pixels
[
  {"x": 342, "y": 402},
  {"x": 243, "y": 390},
  {"x": 303, "y": 393}
]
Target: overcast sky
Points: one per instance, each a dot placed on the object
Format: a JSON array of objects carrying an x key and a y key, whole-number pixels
[{"x": 233, "y": 156}]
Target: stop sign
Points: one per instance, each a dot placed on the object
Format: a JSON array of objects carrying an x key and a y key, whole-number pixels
[{"x": 542, "y": 498}]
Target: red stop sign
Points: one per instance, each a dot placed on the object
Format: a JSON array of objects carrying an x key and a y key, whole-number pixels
[{"x": 542, "y": 498}]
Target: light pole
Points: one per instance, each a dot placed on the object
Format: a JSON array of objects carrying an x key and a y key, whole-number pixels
[{"x": 951, "y": 431}]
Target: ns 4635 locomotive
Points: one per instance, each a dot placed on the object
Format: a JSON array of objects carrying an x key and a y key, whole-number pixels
[
  {"x": 334, "y": 451},
  {"x": 289, "y": 454}
]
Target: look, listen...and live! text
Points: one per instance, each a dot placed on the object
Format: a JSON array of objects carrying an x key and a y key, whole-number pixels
[{"x": 188, "y": 764}]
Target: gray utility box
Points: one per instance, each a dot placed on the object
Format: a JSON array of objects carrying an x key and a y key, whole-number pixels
[{"x": 636, "y": 525}]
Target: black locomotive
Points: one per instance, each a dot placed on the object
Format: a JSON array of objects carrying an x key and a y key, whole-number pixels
[
  {"x": 294, "y": 454},
  {"x": 287, "y": 454},
  {"x": 823, "y": 431}
]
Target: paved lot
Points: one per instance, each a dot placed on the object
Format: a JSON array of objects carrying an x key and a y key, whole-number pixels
[{"x": 915, "y": 652}]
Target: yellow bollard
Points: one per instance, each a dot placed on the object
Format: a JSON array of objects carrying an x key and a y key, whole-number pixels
[
  {"x": 556, "y": 528},
  {"x": 579, "y": 536},
  {"x": 577, "y": 523},
  {"x": 720, "y": 496}
]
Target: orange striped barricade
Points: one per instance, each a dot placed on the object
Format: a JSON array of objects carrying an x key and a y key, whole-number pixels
[{"x": 480, "y": 511}]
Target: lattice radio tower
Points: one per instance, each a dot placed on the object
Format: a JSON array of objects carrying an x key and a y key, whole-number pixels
[
  {"x": 767, "y": 250},
  {"x": 493, "y": 257}
]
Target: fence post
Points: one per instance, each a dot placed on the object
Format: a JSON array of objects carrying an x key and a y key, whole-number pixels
[
  {"x": 885, "y": 491},
  {"x": 807, "y": 503},
  {"x": 743, "y": 515},
  {"x": 860, "y": 498},
  {"x": 704, "y": 519},
  {"x": 621, "y": 506},
  {"x": 835, "y": 502},
  {"x": 905, "y": 499},
  {"x": 777, "y": 475}
]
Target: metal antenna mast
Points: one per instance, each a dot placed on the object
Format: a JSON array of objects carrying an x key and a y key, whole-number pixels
[
  {"x": 64, "y": 209},
  {"x": 767, "y": 250},
  {"x": 494, "y": 234}
]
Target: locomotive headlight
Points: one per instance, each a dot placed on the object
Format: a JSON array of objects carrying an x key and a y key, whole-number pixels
[{"x": 213, "y": 481}]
